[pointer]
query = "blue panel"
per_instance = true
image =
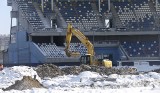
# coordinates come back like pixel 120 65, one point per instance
pixel 12 53
pixel 114 51
pixel 23 51
pixel 36 55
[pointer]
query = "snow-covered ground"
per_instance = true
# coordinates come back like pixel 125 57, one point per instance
pixel 85 82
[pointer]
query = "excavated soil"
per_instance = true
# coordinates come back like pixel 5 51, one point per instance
pixel 50 70
pixel 99 69
pixel 156 70
pixel 26 83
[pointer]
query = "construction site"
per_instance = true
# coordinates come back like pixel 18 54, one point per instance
pixel 50 31
pixel 73 45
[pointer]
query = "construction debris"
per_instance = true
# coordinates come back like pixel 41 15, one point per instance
pixel 156 70
pixel 99 69
pixel 50 70
pixel 26 83
pixel 74 70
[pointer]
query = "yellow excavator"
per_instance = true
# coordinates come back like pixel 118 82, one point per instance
pixel 89 58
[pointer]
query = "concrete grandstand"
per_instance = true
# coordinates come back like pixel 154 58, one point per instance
pixel 121 30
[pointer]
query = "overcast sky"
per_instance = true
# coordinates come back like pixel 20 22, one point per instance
pixel 4 17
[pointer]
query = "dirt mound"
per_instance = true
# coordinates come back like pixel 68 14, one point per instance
pixel 48 70
pixel 99 69
pixel 26 83
pixel 74 70
pixel 156 70
pixel 120 71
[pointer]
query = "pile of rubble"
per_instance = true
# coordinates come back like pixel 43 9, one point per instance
pixel 50 70
pixel 99 69
pixel 26 83
pixel 156 70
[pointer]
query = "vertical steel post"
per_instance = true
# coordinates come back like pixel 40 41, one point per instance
pixel 52 4
pixel 109 6
pixel 99 5
pixel 42 5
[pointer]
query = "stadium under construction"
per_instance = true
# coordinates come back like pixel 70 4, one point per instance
pixel 124 31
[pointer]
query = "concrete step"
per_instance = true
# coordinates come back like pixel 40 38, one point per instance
pixel 116 20
pixel 45 21
pixel 97 14
pixel 61 22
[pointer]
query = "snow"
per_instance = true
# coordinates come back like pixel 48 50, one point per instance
pixel 146 68
pixel 85 82
pixel 8 76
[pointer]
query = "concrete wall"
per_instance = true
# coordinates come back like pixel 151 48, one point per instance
pixel 23 51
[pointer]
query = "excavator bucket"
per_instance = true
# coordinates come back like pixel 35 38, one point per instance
pixel 75 54
pixel 72 53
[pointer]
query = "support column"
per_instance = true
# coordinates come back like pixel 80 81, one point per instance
pixel 156 5
pixel 10 32
pixel 159 45
pixel 52 39
pixel 30 37
pixel 52 4
pixel 109 6
pixel 17 21
pixel 42 5
pixel 99 5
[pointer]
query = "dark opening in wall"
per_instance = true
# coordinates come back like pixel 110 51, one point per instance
pixel 59 40
pixel 41 39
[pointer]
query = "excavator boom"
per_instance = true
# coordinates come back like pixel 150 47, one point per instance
pixel 84 40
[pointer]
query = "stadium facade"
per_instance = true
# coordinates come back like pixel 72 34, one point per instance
pixel 121 30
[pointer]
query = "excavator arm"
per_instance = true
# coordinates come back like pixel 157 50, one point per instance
pixel 84 40
pixel 86 59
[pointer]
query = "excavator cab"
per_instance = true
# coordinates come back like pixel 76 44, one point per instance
pixel 86 59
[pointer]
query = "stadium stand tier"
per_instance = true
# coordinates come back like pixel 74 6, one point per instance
pixel 141 48
pixel 30 13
